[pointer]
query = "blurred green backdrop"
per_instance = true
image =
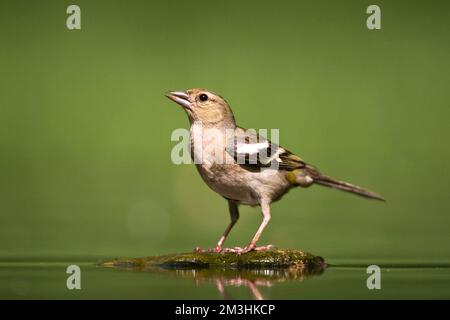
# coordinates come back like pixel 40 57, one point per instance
pixel 85 127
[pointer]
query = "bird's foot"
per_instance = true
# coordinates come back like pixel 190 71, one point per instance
pixel 232 250
pixel 236 250
pixel 246 249
pixel 264 248
pixel 216 249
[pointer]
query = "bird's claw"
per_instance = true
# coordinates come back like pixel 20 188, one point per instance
pixel 236 250
pixel 231 250
pixel 264 248
pixel 253 247
pixel 217 249
pixel 246 249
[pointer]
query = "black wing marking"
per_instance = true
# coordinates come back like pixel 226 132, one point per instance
pixel 254 152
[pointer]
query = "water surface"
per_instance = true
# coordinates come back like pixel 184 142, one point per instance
pixel 47 280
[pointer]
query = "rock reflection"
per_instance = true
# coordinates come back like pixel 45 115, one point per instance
pixel 254 279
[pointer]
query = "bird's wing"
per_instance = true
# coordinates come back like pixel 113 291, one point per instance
pixel 253 151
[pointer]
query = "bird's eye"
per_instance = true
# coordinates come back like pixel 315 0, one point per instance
pixel 203 97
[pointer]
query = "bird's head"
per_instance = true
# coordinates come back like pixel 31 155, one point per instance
pixel 204 106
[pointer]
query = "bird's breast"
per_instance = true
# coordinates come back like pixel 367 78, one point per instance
pixel 222 174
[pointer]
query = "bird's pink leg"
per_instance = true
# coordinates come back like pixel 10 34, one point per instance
pixel 234 215
pixel 265 208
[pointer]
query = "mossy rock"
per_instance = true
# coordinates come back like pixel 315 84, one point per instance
pixel 272 259
pixel 252 270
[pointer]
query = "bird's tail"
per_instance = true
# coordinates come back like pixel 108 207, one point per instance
pixel 341 185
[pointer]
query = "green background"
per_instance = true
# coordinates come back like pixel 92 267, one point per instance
pixel 85 127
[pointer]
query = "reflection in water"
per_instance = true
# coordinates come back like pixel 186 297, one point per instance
pixel 224 277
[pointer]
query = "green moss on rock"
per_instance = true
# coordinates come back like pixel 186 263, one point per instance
pixel 272 259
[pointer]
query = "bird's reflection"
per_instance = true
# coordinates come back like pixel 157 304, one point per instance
pixel 253 279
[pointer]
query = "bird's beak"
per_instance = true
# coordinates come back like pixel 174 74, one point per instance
pixel 180 97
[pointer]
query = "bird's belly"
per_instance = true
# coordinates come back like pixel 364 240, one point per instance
pixel 233 182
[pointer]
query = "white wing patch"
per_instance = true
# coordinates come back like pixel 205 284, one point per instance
pixel 259 148
pixel 251 148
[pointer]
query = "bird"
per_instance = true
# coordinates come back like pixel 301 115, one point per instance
pixel 243 166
